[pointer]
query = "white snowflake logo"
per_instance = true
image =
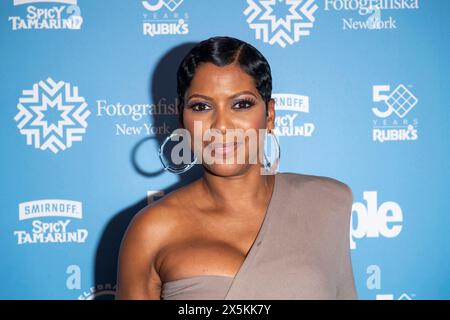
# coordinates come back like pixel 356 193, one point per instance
pixel 284 27
pixel 49 99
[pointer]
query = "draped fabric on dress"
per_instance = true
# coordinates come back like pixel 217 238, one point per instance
pixel 302 249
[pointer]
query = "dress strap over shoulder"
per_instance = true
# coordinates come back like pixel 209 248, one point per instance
pixel 298 252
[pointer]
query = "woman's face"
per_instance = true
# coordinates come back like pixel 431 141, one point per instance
pixel 221 98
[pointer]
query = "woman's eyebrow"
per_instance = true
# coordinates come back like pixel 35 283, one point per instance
pixel 243 92
pixel 196 95
pixel 211 99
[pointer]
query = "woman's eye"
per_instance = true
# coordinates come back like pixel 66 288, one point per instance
pixel 198 107
pixel 244 104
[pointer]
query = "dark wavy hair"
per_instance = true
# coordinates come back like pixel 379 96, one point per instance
pixel 222 51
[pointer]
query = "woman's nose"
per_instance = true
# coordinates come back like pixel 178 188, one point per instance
pixel 221 120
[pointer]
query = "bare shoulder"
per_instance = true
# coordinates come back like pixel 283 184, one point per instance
pixel 157 224
pixel 154 220
pixel 147 233
pixel 157 221
pixel 325 187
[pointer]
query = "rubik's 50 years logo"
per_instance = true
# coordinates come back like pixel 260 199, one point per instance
pixel 392 107
pixel 162 18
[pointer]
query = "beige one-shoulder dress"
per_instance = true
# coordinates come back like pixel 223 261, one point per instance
pixel 302 249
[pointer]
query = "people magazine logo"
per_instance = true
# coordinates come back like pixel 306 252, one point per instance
pixel 391 110
pixel 46 14
pixel 369 14
pixel 52 115
pixel 373 221
pixel 281 22
pixel 163 18
pixel 290 108
pixel 45 225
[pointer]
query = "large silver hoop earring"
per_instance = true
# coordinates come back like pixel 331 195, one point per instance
pixel 168 167
pixel 271 167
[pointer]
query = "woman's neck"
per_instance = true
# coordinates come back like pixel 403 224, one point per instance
pixel 232 194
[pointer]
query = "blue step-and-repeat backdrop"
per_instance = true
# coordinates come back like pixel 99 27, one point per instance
pixel 88 94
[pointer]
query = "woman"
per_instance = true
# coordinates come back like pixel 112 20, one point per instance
pixel 236 233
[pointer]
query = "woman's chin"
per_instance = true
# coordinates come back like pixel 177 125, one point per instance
pixel 224 169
